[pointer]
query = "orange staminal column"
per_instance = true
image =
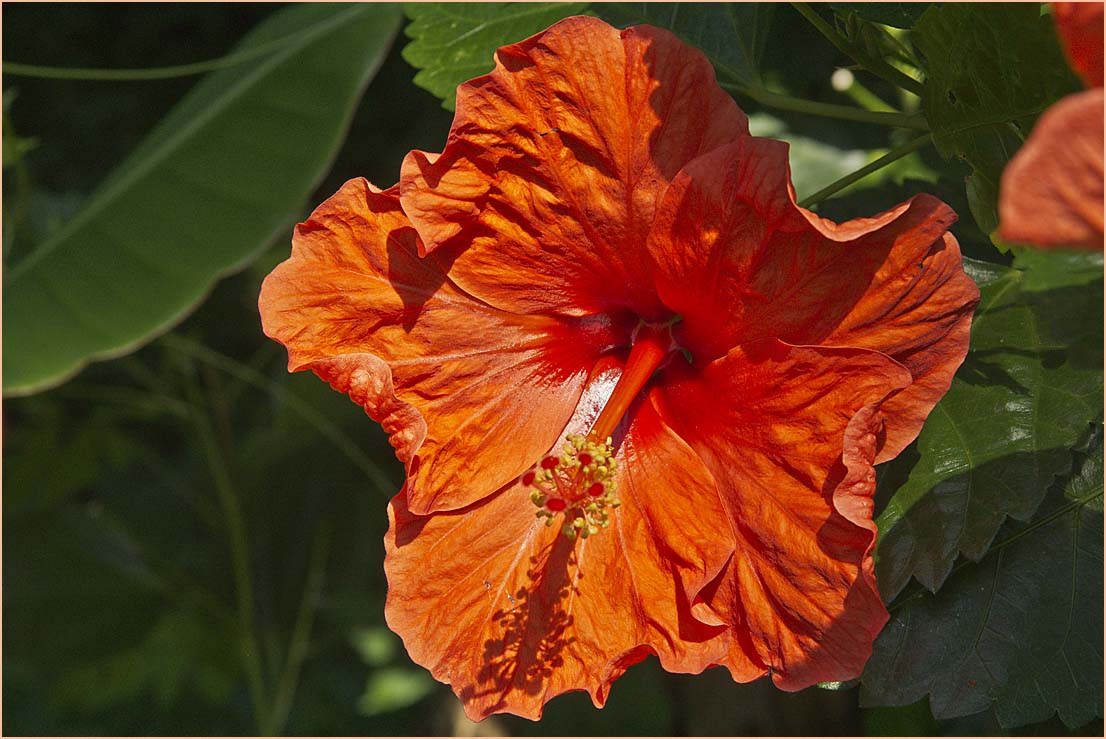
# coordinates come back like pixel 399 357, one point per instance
pixel 577 486
pixel 651 345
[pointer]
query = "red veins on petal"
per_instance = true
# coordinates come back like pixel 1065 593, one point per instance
pixel 356 304
pixel 638 391
pixel 556 161
pixel 728 233
pixel 771 422
pixel 511 613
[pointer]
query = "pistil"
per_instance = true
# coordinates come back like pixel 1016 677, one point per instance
pixel 651 345
pixel 579 484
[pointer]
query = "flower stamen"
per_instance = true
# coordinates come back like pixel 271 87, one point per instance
pixel 579 483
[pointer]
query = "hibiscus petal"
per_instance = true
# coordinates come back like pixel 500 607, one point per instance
pixel 894 283
pixel 1080 29
pixel 454 381
pixel 1051 191
pixel 512 613
pixel 790 434
pixel 556 160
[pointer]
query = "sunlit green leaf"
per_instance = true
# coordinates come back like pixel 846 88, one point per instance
pixel 228 169
pixel 454 42
pixel 1021 629
pixel 1031 383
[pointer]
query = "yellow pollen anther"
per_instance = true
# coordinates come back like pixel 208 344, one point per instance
pixel 578 483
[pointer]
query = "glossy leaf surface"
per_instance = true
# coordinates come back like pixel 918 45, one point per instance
pixel 1031 383
pixel 1022 629
pixel 207 189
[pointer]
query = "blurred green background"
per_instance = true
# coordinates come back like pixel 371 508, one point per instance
pixel 168 512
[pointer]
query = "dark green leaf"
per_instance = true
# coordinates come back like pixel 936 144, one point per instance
pixel 182 648
pixel 1022 629
pixel 732 35
pixel 899 15
pixel 990 70
pixel 454 42
pixel 1048 270
pixel 1031 383
pixel 225 171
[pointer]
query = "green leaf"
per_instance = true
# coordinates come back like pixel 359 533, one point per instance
pixel 1031 383
pixel 899 15
pixel 225 171
pixel 454 42
pixel 376 645
pixel 990 70
pixel 181 649
pixel 393 688
pixel 815 164
pixel 1048 270
pixel 732 35
pixel 1022 629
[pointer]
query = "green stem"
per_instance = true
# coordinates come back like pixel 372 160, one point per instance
pixel 828 110
pixel 883 161
pixel 301 631
pixel 230 502
pixel 150 73
pixel 874 65
pixel 867 99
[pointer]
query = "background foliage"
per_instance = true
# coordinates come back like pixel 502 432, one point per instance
pixel 192 537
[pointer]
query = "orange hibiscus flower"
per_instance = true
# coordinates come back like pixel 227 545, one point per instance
pixel 1051 191
pixel 638 391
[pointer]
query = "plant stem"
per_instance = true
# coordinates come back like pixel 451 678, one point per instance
pixel 91 74
pixel 828 110
pixel 866 99
pixel 883 161
pixel 229 500
pixel 874 65
pixel 301 631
